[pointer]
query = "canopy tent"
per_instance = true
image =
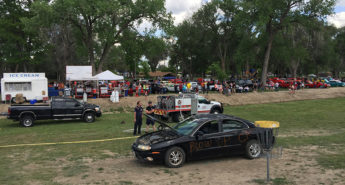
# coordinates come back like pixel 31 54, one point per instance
pixel 108 75
pixel 79 73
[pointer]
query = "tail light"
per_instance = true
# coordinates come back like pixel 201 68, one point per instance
pixel 9 110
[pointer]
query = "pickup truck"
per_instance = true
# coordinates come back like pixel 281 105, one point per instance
pixel 59 108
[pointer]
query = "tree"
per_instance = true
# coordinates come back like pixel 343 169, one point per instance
pixel 101 23
pixel 145 69
pixel 18 48
pixel 271 16
pixel 217 71
pixel 155 50
pixel 132 45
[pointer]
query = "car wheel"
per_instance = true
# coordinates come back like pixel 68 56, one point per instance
pixel 89 117
pixel 253 149
pixel 27 121
pixel 175 157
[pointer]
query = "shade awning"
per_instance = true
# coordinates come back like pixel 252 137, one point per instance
pixel 108 75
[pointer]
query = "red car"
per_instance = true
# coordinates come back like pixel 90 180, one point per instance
pixel 282 83
pixel 176 81
pixel 310 84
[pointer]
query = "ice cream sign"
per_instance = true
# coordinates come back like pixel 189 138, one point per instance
pixel 24 75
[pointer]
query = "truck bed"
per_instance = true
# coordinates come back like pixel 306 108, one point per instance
pixel 28 104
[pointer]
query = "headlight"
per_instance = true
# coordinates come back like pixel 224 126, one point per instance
pixel 144 147
pixel 97 109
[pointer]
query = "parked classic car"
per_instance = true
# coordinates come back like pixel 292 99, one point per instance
pixel 197 137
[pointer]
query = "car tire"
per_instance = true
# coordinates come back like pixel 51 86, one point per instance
pixel 175 157
pixel 27 121
pixel 89 117
pixel 253 149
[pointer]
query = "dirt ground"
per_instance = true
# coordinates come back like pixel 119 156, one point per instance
pixel 235 99
pixel 295 166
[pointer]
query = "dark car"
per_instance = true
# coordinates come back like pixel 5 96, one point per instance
pixel 59 108
pixel 197 137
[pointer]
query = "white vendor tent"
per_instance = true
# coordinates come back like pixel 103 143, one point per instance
pixel 31 85
pixel 79 73
pixel 108 75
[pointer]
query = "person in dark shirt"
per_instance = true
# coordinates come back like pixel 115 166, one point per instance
pixel 150 111
pixel 138 118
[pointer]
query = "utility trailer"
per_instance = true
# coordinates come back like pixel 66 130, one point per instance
pixel 176 108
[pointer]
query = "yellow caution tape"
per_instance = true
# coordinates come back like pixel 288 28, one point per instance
pixel 68 142
pixel 267 124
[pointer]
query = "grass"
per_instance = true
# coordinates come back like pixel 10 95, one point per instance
pixel 325 118
pixel 333 161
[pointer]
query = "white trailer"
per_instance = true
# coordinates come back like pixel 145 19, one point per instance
pixel 31 85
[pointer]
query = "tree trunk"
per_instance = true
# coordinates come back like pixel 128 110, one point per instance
pixel 91 57
pixel 25 68
pixel 266 60
pixel 294 67
pixel 222 55
pixel 16 69
pixel 105 52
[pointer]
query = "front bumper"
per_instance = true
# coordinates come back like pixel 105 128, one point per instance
pixel 151 156
pixel 99 114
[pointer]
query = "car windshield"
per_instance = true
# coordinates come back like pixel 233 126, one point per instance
pixel 186 127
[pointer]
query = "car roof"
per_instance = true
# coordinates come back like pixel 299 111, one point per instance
pixel 209 117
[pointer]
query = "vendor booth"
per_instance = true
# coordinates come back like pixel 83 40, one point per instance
pixel 106 90
pixel 80 79
pixel 33 86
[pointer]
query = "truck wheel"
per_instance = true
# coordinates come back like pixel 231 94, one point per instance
pixel 177 117
pixel 253 149
pixel 89 117
pixel 175 157
pixel 215 111
pixel 27 121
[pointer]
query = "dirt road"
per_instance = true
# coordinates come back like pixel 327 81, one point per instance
pixel 293 168
pixel 235 99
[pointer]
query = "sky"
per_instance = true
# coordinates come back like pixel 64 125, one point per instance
pixel 338 19
pixel 182 9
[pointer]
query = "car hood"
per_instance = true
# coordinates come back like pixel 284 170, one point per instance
pixel 157 137
pixel 163 124
pixel 215 103
pixel 90 106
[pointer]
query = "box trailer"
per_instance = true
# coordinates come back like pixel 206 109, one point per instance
pixel 31 85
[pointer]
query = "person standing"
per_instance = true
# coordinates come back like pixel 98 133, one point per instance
pixel 138 118
pixel 150 111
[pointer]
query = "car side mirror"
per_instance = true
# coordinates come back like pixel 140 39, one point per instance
pixel 77 104
pixel 198 135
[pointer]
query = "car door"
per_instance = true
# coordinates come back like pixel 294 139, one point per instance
pixel 66 108
pixel 236 132
pixel 204 106
pixel 73 108
pixel 207 141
